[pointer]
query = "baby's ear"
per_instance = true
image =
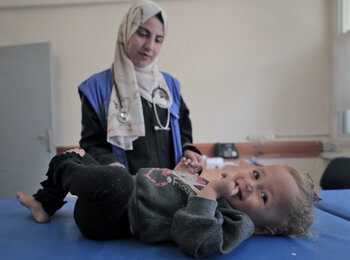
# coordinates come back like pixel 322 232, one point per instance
pixel 264 231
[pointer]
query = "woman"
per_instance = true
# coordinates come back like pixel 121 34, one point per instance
pixel 133 114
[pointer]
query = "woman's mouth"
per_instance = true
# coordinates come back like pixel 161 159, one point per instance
pixel 145 55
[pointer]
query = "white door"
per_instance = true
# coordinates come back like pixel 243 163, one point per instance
pixel 26 144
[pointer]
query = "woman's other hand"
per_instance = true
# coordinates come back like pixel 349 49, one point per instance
pixel 117 164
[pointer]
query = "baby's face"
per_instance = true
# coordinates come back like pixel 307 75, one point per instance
pixel 265 194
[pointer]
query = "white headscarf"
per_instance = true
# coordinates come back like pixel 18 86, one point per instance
pixel 133 82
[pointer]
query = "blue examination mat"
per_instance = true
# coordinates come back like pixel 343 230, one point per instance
pixel 336 202
pixel 22 238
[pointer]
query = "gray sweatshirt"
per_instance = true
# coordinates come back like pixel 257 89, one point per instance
pixel 164 207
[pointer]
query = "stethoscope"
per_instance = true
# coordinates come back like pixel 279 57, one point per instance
pixel 162 94
pixel 124 116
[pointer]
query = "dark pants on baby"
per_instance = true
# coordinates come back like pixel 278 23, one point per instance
pixel 103 194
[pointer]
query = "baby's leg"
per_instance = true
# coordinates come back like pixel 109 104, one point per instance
pixel 50 197
pixel 34 206
pixel 103 194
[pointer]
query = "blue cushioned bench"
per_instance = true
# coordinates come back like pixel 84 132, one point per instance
pixel 336 202
pixel 22 238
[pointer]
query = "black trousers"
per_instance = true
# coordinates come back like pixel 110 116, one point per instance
pixel 103 194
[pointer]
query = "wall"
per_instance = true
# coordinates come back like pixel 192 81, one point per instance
pixel 246 67
pixel 341 79
pixel 253 67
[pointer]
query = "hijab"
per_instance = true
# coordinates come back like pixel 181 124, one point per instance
pixel 131 82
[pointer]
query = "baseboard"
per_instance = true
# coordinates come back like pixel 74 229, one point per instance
pixel 283 149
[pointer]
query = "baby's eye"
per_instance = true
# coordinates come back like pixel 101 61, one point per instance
pixel 256 175
pixel 264 197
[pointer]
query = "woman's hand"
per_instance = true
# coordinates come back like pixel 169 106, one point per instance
pixel 79 151
pixel 196 159
pixel 219 188
pixel 117 164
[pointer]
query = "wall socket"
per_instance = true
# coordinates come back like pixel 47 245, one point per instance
pixel 329 147
pixel 261 137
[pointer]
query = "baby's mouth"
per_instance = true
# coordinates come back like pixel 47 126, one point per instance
pixel 239 194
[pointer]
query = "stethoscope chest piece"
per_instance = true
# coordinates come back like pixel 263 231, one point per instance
pixel 123 117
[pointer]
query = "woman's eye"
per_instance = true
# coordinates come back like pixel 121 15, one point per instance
pixel 141 32
pixel 264 197
pixel 256 175
pixel 159 39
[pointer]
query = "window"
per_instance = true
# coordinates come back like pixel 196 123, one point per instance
pixel 345 16
pixel 341 78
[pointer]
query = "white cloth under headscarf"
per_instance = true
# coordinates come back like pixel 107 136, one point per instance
pixel 133 82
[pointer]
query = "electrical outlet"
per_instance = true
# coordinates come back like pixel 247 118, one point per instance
pixel 329 147
pixel 261 137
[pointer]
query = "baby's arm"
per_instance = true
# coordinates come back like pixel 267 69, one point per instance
pixel 188 166
pixel 204 227
pixel 219 188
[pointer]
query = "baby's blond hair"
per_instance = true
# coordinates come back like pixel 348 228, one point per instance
pixel 301 214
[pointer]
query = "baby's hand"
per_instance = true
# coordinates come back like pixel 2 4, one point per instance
pixel 186 165
pixel 221 188
pixel 196 159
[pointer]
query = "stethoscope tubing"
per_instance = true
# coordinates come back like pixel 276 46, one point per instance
pixel 124 117
pixel 166 96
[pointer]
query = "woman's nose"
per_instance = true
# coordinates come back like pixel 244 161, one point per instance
pixel 149 43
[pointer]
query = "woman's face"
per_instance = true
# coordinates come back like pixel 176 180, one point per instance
pixel 144 45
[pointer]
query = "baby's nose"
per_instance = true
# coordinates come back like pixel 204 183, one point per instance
pixel 249 186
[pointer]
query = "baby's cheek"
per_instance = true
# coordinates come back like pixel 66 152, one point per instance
pixel 234 202
pixel 248 206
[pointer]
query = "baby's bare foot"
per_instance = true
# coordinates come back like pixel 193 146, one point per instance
pixel 35 207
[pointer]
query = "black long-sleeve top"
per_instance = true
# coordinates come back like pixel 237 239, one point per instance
pixel 155 149
pixel 164 207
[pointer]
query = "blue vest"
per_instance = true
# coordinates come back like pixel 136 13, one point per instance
pixel 98 88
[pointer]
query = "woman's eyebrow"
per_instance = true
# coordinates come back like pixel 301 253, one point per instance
pixel 143 28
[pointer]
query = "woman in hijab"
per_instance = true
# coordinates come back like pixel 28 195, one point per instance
pixel 133 114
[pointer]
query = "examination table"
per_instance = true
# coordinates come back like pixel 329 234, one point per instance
pixel 22 238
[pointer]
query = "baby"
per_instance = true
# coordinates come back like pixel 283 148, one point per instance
pixel 155 205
